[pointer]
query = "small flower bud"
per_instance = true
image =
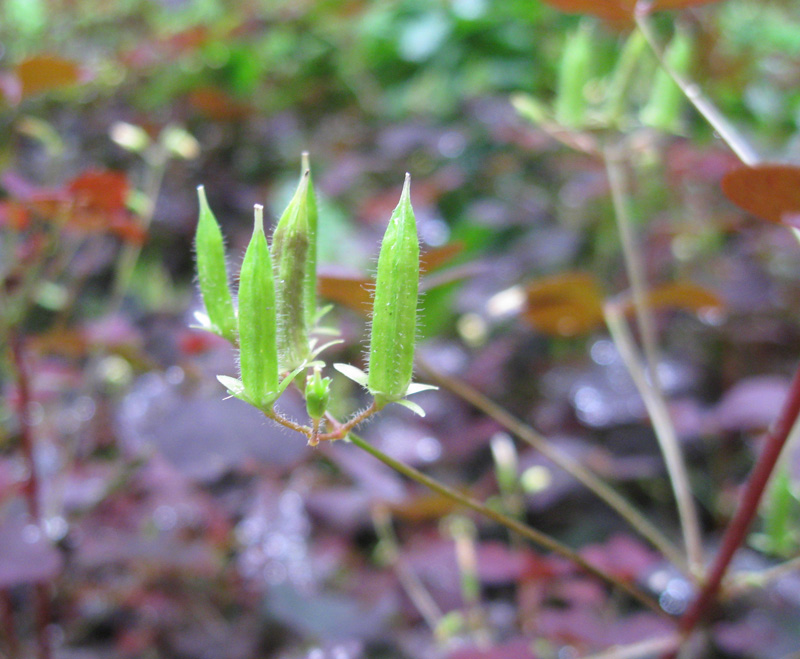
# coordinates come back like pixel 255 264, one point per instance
pixel 573 75
pixel 258 356
pixel 290 253
pixel 318 393
pixel 394 315
pixel 212 271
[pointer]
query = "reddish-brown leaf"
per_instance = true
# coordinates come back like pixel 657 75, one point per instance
pixel 218 105
pixel 683 295
pixel 351 291
pixel 769 191
pixel 42 73
pixel 618 10
pixel 100 190
pixel 436 257
pixel 567 304
pixel 14 216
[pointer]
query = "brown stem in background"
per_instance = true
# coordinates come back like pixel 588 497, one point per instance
pixel 31 487
pixel 748 507
pixel 8 626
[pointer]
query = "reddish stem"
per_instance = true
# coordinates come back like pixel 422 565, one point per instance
pixel 9 626
pixel 31 487
pixel 748 507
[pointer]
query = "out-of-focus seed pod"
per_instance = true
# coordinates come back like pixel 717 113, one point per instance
pixel 394 314
pixel 310 287
pixel 663 109
pixel 575 71
pixel 258 354
pixel 212 271
pixel 290 250
pixel 318 394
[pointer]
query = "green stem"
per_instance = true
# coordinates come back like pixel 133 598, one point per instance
pixel 665 434
pixel 537 537
pixel 587 478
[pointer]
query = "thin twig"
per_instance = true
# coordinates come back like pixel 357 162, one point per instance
pixel 634 265
pixel 752 580
pixel 740 146
pixel 587 478
pixel 749 501
pixel 537 537
pixel 665 434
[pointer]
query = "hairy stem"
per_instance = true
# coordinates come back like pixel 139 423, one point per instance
pixel 537 537
pixel 587 478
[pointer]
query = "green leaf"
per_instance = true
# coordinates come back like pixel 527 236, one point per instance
pixel 258 353
pixel 310 286
pixel 394 309
pixel 234 386
pixel 212 272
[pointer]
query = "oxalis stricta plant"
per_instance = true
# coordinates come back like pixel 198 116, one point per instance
pixel 275 324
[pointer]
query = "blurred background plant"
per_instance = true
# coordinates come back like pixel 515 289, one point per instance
pixel 141 515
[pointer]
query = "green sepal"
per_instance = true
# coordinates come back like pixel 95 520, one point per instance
pixel 394 309
pixel 316 350
pixel 416 387
pixel 258 354
pixel 212 271
pixel 290 255
pixel 235 387
pixel 416 409
pixel 353 373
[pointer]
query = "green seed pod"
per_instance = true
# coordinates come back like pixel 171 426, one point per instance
pixel 663 110
pixel 258 353
pixel 310 288
pixel 212 272
pixel 290 249
pixel 575 71
pixel 318 393
pixel 394 311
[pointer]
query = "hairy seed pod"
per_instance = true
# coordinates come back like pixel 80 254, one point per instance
pixel 290 246
pixel 318 394
pixel 575 71
pixel 212 271
pixel 394 312
pixel 663 109
pixel 258 353
pixel 310 287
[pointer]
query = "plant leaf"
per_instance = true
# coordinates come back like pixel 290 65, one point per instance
pixel 355 374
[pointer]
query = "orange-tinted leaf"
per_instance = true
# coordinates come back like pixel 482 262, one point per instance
pixel 618 10
pixel 100 190
pixel 14 216
pixel 218 105
pixel 682 295
pixel 424 508
pixel 568 304
pixel 770 191
pixel 351 291
pixel 436 257
pixel 64 342
pixel 41 73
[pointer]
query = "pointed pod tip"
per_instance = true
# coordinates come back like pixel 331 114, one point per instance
pixel 201 194
pixel 406 193
pixel 258 212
